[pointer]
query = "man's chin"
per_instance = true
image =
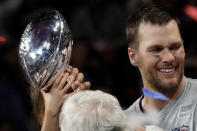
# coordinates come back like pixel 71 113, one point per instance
pixel 168 83
pixel 166 86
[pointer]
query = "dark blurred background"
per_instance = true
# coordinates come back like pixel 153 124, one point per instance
pixel 99 51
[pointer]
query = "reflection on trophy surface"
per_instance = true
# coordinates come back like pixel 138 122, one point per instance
pixel 45 47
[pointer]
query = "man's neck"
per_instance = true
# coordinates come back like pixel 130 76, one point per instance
pixel 149 103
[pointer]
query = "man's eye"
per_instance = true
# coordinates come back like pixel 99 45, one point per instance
pixel 156 49
pixel 175 47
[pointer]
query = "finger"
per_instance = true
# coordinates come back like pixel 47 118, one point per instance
pixel 47 87
pixel 43 91
pixel 73 74
pixel 54 78
pixel 85 86
pixel 57 81
pixel 80 77
pixel 67 88
pixel 78 81
pixel 63 81
pixel 68 69
pixel 70 80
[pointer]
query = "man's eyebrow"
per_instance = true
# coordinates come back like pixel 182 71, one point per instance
pixel 177 42
pixel 154 46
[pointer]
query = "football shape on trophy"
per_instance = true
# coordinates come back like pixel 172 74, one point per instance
pixel 45 47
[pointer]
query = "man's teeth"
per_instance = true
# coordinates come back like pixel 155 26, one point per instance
pixel 166 70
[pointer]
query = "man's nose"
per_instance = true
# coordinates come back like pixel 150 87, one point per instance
pixel 167 56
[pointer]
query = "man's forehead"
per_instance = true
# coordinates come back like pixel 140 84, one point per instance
pixel 144 25
pixel 155 33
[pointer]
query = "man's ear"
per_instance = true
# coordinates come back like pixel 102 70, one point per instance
pixel 133 56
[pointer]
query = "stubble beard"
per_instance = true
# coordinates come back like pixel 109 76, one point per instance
pixel 157 84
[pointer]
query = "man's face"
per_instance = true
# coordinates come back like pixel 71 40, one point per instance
pixel 160 56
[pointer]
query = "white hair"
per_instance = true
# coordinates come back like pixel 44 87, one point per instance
pixel 92 111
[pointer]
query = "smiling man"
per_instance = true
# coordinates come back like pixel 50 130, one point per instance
pixel 156 49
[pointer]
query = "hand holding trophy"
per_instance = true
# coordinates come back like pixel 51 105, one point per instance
pixel 44 55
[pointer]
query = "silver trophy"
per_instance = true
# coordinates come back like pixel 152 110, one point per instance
pixel 45 47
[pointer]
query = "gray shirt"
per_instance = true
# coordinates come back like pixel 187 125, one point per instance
pixel 180 114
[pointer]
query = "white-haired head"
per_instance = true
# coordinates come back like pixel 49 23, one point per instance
pixel 92 111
